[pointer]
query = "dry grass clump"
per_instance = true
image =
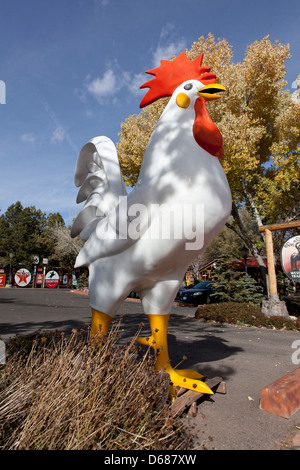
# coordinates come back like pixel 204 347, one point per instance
pixel 64 393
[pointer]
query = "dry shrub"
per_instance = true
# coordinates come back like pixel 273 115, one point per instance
pixel 69 394
pixel 243 314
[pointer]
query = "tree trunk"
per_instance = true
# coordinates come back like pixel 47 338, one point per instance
pixel 242 233
pixel 254 210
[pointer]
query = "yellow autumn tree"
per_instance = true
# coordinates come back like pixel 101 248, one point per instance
pixel 260 125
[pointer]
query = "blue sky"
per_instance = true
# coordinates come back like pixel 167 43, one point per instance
pixel 73 68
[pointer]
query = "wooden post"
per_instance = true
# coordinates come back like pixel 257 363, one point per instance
pixel 274 306
pixel 271 264
pixel 270 253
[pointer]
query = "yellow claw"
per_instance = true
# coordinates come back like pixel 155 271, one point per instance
pixel 190 373
pixel 186 378
pixel 178 380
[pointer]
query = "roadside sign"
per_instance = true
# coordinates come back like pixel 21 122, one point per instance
pixel 290 258
pixel 39 278
pixel 52 279
pixel 2 280
pixel 22 277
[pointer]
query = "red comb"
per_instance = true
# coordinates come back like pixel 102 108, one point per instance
pixel 171 74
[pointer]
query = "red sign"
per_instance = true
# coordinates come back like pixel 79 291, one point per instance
pixel 52 279
pixel 290 258
pixel 39 278
pixel 2 280
pixel 22 277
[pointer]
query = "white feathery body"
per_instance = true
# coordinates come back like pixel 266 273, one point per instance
pixel 176 173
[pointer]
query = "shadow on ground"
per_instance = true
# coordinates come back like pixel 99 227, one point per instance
pixel 196 340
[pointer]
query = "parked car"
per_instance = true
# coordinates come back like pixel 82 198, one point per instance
pixel 134 295
pixel 199 294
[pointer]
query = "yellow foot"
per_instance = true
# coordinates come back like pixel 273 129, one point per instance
pixel 147 341
pixel 186 378
pixel 100 323
pixel 190 373
pixel 179 380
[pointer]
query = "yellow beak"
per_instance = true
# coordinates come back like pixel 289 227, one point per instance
pixel 210 92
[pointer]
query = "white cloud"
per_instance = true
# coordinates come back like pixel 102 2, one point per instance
pixel 89 113
pixel 101 3
pixel 137 80
pixel 104 86
pixel 166 30
pixel 166 51
pixel 169 44
pixel 28 138
pixel 59 134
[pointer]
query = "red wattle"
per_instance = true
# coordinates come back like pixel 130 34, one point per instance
pixel 206 133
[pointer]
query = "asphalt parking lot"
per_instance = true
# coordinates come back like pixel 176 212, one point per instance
pixel 246 358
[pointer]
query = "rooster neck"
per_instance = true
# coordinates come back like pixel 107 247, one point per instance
pixel 192 125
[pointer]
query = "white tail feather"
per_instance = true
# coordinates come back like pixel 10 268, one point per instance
pixel 100 190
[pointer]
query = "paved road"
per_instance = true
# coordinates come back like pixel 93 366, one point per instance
pixel 246 358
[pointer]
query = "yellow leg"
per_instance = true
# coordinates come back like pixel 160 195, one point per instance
pixel 100 323
pixel 158 341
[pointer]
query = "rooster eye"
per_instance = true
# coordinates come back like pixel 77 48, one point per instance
pixel 188 86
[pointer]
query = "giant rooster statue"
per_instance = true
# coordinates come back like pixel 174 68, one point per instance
pixel 144 241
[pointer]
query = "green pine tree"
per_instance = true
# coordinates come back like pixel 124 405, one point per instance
pixel 235 286
pixel 247 290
